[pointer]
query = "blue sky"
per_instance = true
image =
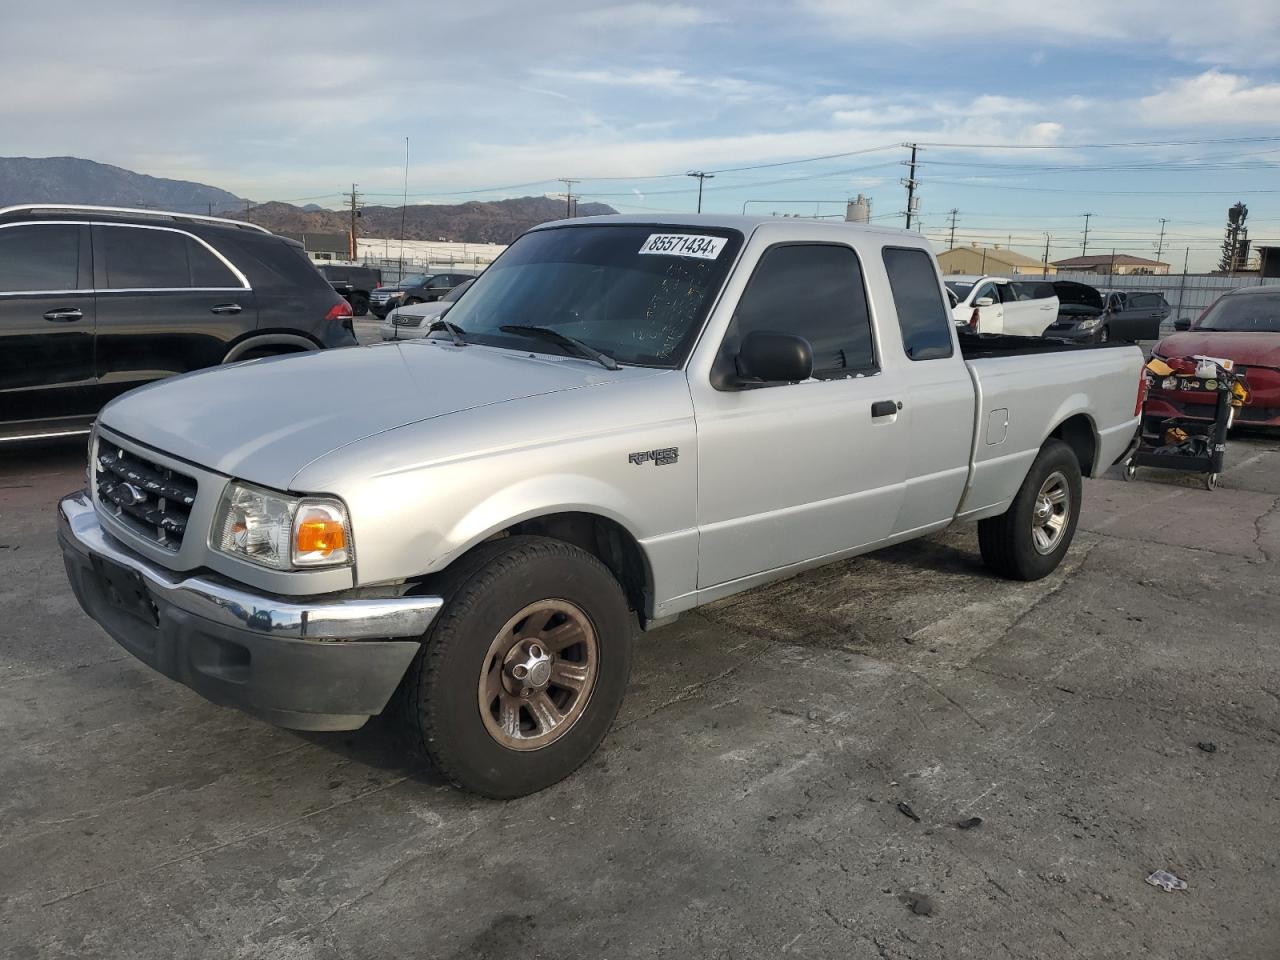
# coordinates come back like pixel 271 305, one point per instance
pixel 295 101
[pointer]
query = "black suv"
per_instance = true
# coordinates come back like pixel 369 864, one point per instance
pixel 415 288
pixel 354 283
pixel 97 300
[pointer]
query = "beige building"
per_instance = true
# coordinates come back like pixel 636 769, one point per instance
pixel 1113 264
pixel 996 260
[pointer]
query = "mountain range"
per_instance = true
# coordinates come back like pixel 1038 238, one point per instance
pixel 74 180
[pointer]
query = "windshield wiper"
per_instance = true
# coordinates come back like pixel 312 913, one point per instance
pixel 564 340
pixel 454 330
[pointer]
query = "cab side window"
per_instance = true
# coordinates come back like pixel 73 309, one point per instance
pixel 814 291
pixel 39 257
pixel 922 315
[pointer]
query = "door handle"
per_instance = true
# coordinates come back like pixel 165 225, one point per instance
pixel 64 315
pixel 885 408
pixel 226 308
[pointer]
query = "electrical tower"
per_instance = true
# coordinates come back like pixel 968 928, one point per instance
pixel 951 244
pixel 701 175
pixel 354 198
pixel 911 183
pixel 568 195
pixel 1235 245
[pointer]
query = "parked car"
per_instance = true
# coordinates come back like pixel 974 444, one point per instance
pixel 1242 326
pixel 355 283
pixel 1135 314
pixel 628 418
pixel 998 305
pixel 1081 313
pixel 405 323
pixel 415 288
pixel 95 301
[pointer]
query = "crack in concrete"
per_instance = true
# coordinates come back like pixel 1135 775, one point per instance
pixel 214 848
pixel 1257 526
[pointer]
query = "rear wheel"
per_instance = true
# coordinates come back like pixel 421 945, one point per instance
pixel 522 673
pixel 359 304
pixel 1029 540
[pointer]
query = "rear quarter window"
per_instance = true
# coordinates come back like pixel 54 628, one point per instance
pixel 269 261
pixel 923 316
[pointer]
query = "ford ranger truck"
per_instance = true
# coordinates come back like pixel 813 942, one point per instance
pixel 623 419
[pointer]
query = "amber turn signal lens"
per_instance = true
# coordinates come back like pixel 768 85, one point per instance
pixel 322 536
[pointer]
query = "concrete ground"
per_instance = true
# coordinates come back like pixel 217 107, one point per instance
pixel 748 803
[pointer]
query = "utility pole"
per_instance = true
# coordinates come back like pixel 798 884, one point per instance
pixel 248 205
pixel 1047 238
pixel 701 175
pixel 568 195
pixel 354 197
pixel 404 206
pixel 951 244
pixel 211 208
pixel 911 182
pixel 1160 242
pixel 1084 247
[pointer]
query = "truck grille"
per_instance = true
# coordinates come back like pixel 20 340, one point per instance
pixel 150 499
pixel 406 320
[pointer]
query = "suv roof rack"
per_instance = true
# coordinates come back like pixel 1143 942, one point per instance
pixel 135 211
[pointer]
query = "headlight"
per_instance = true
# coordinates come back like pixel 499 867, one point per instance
pixel 279 531
pixel 1088 323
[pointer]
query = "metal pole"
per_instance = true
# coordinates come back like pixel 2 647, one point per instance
pixel 951 244
pixel 1160 242
pixel 404 207
pixel 1046 255
pixel 1084 247
pixel 1182 286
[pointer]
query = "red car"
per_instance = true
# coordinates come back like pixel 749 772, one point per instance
pixel 1244 326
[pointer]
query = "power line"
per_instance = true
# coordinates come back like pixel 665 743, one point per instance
pixel 1100 146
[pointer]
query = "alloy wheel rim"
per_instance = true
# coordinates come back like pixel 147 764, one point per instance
pixel 1050 513
pixel 538 675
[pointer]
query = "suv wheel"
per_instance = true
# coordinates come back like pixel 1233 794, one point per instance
pixel 359 304
pixel 523 671
pixel 1029 540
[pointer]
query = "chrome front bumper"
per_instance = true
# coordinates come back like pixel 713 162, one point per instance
pixel 327 663
pixel 342 619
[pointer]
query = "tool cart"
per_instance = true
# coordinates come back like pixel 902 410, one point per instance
pixel 1194 443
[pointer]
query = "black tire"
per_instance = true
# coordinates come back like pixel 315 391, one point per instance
pixel 1104 335
pixel 359 304
pixel 1008 543
pixel 482 593
pixel 410 301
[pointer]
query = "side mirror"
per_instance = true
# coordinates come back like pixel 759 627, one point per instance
pixel 767 357
pixel 984 302
pixel 1182 323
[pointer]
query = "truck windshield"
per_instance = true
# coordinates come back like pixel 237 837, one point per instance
pixel 638 293
pixel 1253 312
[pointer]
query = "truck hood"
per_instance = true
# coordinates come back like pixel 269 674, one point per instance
pixel 1248 348
pixel 264 420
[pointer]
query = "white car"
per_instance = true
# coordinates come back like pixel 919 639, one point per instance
pixel 1022 308
pixel 405 323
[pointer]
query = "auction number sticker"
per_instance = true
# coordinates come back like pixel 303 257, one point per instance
pixel 684 245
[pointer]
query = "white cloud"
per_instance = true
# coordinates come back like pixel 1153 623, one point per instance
pixel 1213 32
pixel 1212 98
pixel 661 81
pixel 647 16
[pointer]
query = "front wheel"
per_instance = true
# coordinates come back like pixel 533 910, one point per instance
pixel 359 304
pixel 1104 335
pixel 523 671
pixel 1029 540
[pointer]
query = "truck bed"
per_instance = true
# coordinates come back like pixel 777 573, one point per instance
pixel 977 345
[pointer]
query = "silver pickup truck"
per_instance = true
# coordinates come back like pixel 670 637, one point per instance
pixel 623 418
